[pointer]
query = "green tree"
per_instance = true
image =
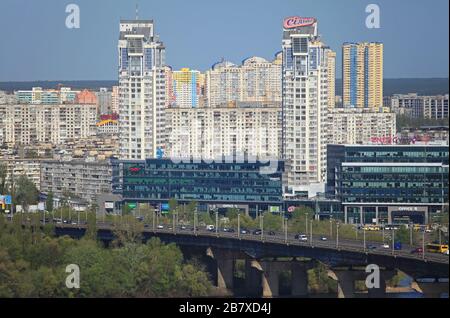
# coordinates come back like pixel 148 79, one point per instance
pixel 49 202
pixel 129 230
pixel 403 234
pixel 91 231
pixel 298 220
pixel 205 217
pixel 173 206
pixel 126 210
pixel 3 174
pixel 232 213
pixel 404 121
pixel 26 192
pixel 272 222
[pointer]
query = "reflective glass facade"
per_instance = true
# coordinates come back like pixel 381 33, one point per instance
pixel 394 173
pixel 386 182
pixel 393 184
pixel 157 180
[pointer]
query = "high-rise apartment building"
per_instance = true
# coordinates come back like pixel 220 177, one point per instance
pixel 38 95
pixel 415 106
pixel 306 86
pixel 362 75
pixel 48 123
pixel 104 98
pixel 331 64
pixel 256 80
pixel 29 124
pixel 86 179
pixel 435 107
pixel 360 126
pixel 234 128
pixel 187 88
pixel 141 90
pixel 410 105
pixel 115 100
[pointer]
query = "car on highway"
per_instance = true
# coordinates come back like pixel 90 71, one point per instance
pixel 397 246
pixel 417 250
pixel 228 230
pixel 146 226
pixel 385 245
pixel 271 233
pixel 183 227
pixel 244 231
pixel 301 237
pixel 210 228
pixel 257 232
pixel 371 246
pixel 391 227
pixel 160 227
pixel 323 238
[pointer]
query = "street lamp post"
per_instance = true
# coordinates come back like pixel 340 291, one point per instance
pixel 217 223
pixel 286 232
pixel 440 239
pixel 382 232
pixel 331 227
pixel 410 234
pixel 239 225
pixel 311 233
pixel 364 234
pixel 306 223
pixel 261 220
pixel 195 221
pixel 423 244
pixel 337 235
pixel 173 224
pixel 393 240
pixel 153 220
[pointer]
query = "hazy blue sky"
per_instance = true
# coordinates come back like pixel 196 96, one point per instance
pixel 36 45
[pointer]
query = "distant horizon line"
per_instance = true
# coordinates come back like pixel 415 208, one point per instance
pixel 115 80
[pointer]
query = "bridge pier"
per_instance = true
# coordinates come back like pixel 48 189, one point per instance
pixel 431 289
pixel 224 267
pixel 264 276
pixel 300 277
pixel 253 279
pixel 346 279
pixel 346 282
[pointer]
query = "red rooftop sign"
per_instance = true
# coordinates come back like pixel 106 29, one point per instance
pixel 295 22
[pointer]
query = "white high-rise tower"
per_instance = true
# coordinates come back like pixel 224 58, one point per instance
pixel 141 91
pixel 305 101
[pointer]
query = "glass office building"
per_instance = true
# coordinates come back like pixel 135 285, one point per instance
pixel 249 185
pixel 389 183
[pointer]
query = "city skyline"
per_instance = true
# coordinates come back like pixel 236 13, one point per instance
pixel 99 31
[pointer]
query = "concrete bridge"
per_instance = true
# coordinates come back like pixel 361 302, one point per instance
pixel 266 257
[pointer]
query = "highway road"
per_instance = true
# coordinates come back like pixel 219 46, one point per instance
pixel 331 243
